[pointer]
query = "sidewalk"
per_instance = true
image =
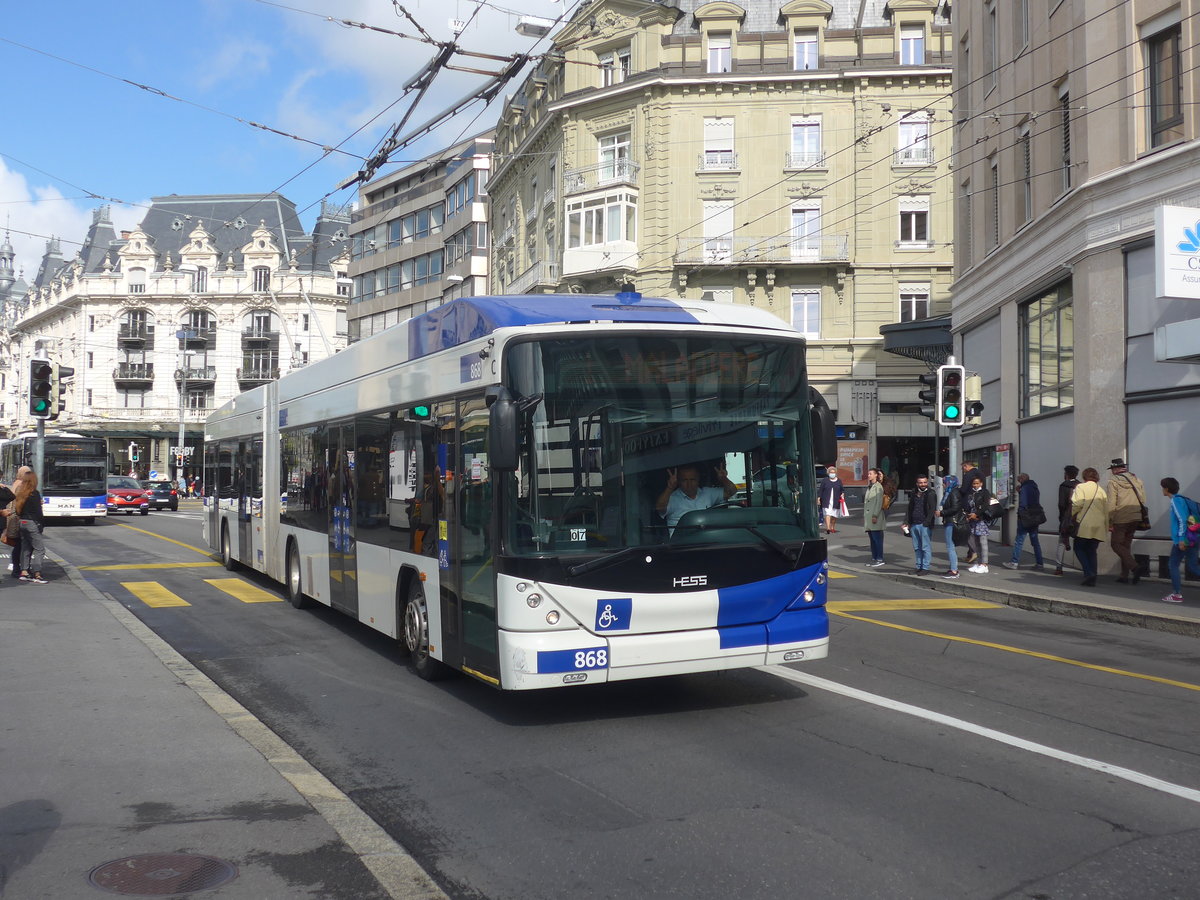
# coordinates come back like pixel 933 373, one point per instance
pixel 127 771
pixel 1125 604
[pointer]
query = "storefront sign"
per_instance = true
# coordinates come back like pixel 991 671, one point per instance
pixel 1177 252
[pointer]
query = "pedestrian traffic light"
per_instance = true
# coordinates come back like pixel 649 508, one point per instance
pixel 59 378
pixel 41 375
pixel 950 396
pixel 929 396
pixel 420 412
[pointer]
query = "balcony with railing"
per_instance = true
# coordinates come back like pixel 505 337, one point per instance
pixel 740 250
pixel 257 375
pixel 196 375
pixel 256 335
pixel 135 335
pixel 805 159
pixel 196 337
pixel 540 274
pixel 620 171
pixel 718 161
pixel 130 374
pixel 916 155
pixel 149 414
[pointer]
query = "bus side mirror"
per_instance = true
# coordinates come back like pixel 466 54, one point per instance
pixel 824 429
pixel 503 430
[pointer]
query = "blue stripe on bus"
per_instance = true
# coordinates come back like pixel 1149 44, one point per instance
pixel 468 318
pixel 790 627
pixel 760 601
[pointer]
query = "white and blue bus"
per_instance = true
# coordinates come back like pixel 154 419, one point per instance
pixel 480 482
pixel 74 469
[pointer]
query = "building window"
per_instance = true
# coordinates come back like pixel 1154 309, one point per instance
pixel 993 201
pixel 88 393
pixel 615 151
pixel 914 148
pixel 602 220
pixel 914 302
pixel 91 323
pixel 137 281
pixel 914 222
pixel 717 294
pixel 718 230
pixel 90 359
pixel 806 49
pixel 912 45
pixel 806 311
pixel 806 149
pixel 262 278
pixel 304 321
pixel 1064 125
pixel 966 226
pixel 991 55
pixel 1025 161
pixel 806 232
pixel 1048 351
pixel 1163 78
pixel 720 52
pixel 614 66
pixel 200 280
pixel 718 143
pixel 1020 24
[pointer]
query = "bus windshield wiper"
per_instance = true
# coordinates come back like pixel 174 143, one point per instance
pixel 601 562
pixel 775 545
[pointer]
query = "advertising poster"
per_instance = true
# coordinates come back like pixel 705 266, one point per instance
pixel 852 462
pixel 1002 475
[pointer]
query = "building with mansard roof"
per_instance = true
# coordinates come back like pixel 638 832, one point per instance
pixel 791 155
pixel 207 297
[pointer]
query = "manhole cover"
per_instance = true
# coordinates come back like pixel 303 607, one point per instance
pixel 162 874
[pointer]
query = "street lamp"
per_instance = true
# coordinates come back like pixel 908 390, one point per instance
pixel 183 336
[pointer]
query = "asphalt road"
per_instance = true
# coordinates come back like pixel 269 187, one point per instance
pixel 974 751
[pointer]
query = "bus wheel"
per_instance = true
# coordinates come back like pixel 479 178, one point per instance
pixel 416 636
pixel 227 559
pixel 295 588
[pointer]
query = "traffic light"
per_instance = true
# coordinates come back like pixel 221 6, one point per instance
pixel 421 412
pixel 929 396
pixel 41 376
pixel 950 407
pixel 973 392
pixel 133 451
pixel 59 378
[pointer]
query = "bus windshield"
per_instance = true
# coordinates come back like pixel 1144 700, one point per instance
pixel 613 426
pixel 69 475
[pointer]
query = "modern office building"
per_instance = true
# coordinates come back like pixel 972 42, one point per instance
pixel 207 297
pixel 790 156
pixel 420 237
pixel 1075 129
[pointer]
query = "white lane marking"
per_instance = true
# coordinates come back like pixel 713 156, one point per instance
pixel 1096 765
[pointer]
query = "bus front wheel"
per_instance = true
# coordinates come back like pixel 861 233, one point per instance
pixel 295 587
pixel 416 635
pixel 227 559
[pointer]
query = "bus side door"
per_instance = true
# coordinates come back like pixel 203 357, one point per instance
pixel 474 566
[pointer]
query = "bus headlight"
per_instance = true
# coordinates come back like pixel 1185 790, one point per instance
pixel 534 600
pixel 552 617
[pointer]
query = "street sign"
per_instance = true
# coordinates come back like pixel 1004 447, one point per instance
pixel 154 474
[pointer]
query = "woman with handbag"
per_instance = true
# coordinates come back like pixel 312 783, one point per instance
pixel 1089 511
pixel 27 504
pixel 10 526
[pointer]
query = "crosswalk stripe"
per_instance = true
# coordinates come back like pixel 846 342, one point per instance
pixel 885 605
pixel 153 594
pixel 243 590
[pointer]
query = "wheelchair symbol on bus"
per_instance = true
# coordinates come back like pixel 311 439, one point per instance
pixel 614 615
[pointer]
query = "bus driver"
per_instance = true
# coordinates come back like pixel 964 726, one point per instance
pixel 683 492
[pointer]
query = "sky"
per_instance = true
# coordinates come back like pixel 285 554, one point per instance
pixel 76 135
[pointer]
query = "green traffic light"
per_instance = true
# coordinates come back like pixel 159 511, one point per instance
pixel 420 412
pixel 952 412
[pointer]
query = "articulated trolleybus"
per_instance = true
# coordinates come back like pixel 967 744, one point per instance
pixel 75 467
pixel 483 482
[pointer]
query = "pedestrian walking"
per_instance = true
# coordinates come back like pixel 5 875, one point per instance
pixel 1089 511
pixel 1065 490
pixel 832 498
pixel 874 519
pixel 919 519
pixel 1029 516
pixel 1126 510
pixel 951 511
pixel 1185 546
pixel 978 507
pixel 27 503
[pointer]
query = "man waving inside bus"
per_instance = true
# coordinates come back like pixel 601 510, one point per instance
pixel 683 492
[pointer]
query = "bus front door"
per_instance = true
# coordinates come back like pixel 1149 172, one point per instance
pixel 343 563
pixel 474 567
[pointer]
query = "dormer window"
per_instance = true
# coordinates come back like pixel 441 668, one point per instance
pixel 912 45
pixel 614 66
pixel 720 51
pixel 806 49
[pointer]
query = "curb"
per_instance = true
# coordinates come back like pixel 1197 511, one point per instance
pixel 1182 625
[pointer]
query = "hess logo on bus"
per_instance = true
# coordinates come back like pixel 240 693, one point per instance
pixel 690 581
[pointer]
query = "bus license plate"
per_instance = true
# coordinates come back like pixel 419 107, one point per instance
pixel 556 661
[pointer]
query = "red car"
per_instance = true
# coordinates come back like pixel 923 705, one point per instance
pixel 126 494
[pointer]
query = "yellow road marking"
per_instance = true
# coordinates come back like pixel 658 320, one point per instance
pixel 243 590
pixel 153 594
pixel 1187 686
pixel 167 539
pixel 884 605
pixel 175 565
pixel 841 575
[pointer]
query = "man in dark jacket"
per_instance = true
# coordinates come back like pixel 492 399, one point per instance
pixel 1065 490
pixel 918 520
pixel 1029 517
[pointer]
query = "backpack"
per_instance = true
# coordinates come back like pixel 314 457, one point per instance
pixel 1191 525
pixel 889 494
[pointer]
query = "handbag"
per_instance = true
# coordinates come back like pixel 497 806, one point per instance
pixel 1143 524
pixel 12 525
pixel 1030 517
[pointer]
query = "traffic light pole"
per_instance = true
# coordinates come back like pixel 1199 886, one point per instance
pixel 39 453
pixel 955 439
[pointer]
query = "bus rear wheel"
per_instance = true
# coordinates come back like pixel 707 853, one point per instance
pixel 416 636
pixel 295 587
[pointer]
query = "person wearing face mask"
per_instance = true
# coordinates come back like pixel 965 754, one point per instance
pixel 978 508
pixel 832 499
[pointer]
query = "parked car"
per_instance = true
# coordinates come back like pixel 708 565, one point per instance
pixel 163 494
pixel 126 494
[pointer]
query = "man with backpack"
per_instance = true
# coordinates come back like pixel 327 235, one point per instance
pixel 1185 537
